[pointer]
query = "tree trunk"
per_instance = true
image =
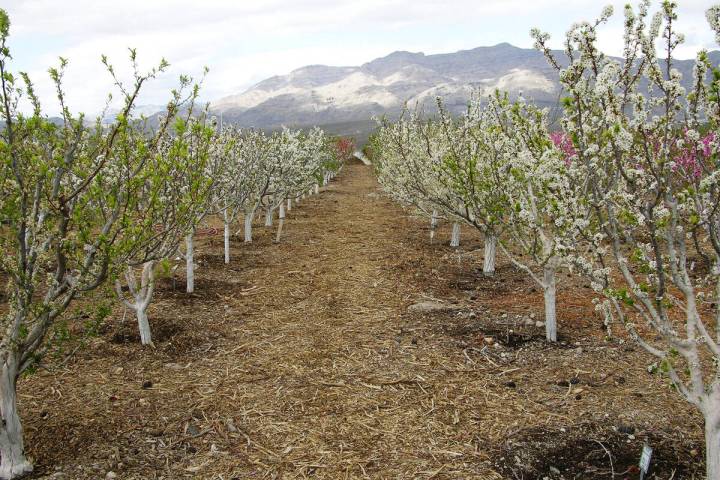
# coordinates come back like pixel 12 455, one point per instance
pixel 433 224
pixel 711 412
pixel 269 216
pixel 248 226
pixel 226 236
pixel 549 294
pixel 289 204
pixel 455 239
pixel 190 262
pixel 490 252
pixel 13 463
pixel 281 221
pixel 143 324
pixel 317 189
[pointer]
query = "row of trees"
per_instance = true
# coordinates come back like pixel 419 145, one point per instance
pixel 247 173
pixel 82 202
pixel 625 190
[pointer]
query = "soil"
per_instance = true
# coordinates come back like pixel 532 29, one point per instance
pixel 301 360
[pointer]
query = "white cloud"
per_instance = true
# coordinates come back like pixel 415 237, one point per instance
pixel 245 41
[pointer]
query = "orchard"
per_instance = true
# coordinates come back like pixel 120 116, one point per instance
pixel 496 281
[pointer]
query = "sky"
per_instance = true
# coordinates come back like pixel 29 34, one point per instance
pixel 243 42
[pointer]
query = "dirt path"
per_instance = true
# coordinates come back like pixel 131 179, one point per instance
pixel 299 360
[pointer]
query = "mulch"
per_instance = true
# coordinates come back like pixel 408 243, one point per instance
pixel 301 360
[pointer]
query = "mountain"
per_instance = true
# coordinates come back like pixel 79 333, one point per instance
pixel 347 97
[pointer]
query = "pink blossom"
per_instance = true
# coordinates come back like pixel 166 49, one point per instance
pixel 691 156
pixel 564 143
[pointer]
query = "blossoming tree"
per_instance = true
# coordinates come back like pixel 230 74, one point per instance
pixel 650 151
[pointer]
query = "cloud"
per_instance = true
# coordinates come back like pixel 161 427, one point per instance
pixel 243 42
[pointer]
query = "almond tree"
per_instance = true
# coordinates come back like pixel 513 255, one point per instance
pixel 651 153
pixel 167 204
pixel 207 155
pixel 68 216
pixel 472 164
pixel 409 163
pixel 227 192
pixel 542 196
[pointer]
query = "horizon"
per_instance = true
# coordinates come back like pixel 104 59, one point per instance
pixel 243 44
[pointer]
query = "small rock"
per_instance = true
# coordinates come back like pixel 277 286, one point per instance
pixel 554 470
pixel 539 324
pixel 110 475
pixel 529 322
pixel 147 384
pixel 431 307
pixel 532 316
pixel 694 452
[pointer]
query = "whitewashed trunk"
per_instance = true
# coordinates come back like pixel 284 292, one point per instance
pixel 317 189
pixel 490 253
pixel 455 239
pixel 226 236
pixel 269 216
pixel 281 222
pixel 13 462
pixel 248 226
pixel 143 324
pixel 549 289
pixel 289 204
pixel 141 295
pixel 190 262
pixel 712 438
pixel 433 224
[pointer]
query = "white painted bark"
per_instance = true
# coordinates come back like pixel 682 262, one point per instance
pixel 317 189
pixel 269 216
pixel 248 226
pixel 433 224
pixel 13 462
pixel 190 262
pixel 226 236
pixel 549 287
pixel 455 239
pixel 281 222
pixel 141 295
pixel 490 253
pixel 712 437
pixel 289 204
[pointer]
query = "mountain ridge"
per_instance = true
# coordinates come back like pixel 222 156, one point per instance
pixel 326 95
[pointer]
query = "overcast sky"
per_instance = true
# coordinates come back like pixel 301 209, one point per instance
pixel 243 42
